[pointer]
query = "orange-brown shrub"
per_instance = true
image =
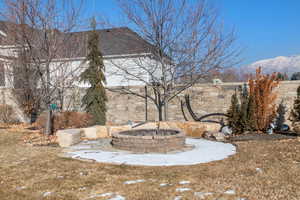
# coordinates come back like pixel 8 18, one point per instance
pixel 261 89
pixel 64 120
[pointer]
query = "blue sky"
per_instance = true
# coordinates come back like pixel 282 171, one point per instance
pixel 265 28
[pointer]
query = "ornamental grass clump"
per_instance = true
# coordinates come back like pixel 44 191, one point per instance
pixel 253 107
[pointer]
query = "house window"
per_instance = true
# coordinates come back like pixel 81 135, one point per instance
pixel 2 75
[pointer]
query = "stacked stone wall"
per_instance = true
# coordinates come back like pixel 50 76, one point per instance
pixel 205 98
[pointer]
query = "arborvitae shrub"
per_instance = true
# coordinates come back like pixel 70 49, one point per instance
pixel 255 106
pixel 295 114
pixel 234 114
pixel 280 118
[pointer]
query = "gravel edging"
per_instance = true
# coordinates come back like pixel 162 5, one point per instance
pixel 259 137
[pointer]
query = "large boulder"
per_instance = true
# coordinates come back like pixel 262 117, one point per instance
pixel 68 137
pixel 296 127
pixel 116 129
pixel 95 132
pixel 197 129
pixel 154 125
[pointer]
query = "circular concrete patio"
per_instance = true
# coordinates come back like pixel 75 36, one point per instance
pixel 204 151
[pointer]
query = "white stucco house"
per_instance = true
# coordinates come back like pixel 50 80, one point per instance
pixel 120 47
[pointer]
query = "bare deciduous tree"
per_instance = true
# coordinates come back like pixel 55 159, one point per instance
pixel 41 32
pixel 187 43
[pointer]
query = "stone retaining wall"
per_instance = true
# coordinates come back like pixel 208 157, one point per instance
pixel 205 98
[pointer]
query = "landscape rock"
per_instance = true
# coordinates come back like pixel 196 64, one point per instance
pixel 219 136
pixel 197 129
pixel 226 130
pixel 296 127
pixel 208 135
pixel 116 129
pixel 153 125
pixel 68 137
pixel 96 132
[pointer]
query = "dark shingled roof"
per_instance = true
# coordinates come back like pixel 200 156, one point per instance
pixel 113 42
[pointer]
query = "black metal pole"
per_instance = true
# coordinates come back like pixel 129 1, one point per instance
pixel 146 104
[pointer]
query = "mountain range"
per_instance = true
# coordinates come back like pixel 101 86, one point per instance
pixel 284 64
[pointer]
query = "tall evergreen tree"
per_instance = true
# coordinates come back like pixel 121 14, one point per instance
pixel 94 101
pixel 295 114
pixel 280 118
pixel 244 98
pixel 234 114
pixel 252 125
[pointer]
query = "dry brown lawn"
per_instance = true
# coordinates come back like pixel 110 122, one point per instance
pixel 28 172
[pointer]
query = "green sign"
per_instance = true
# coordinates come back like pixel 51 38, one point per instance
pixel 53 106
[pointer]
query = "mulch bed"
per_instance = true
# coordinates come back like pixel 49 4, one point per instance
pixel 260 136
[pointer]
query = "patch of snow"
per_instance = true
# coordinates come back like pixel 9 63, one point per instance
pixel 184 182
pixel 82 188
pixel 183 189
pixel 204 151
pixel 230 192
pixel 118 197
pixel 47 194
pixel 164 184
pixel 108 194
pixel 134 181
pixel 21 188
pixel 259 170
pixel 202 195
pixel 178 198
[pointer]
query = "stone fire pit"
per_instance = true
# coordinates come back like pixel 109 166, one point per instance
pixel 149 140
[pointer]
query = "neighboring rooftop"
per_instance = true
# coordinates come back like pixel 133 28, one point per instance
pixel 113 42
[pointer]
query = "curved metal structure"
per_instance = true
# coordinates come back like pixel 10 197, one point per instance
pixel 200 119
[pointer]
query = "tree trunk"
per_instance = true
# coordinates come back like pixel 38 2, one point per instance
pixel 48 129
pixel 166 111
pixel 160 112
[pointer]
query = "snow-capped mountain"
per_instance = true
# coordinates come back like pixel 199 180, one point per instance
pixel 285 64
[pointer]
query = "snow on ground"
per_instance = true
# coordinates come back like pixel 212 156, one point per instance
pixel 113 196
pixel 164 184
pixel 202 195
pixel 183 189
pixel 230 192
pixel 204 151
pixel 184 182
pixel 134 181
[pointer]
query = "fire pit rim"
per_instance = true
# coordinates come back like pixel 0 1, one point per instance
pixel 122 135
pixel 149 143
